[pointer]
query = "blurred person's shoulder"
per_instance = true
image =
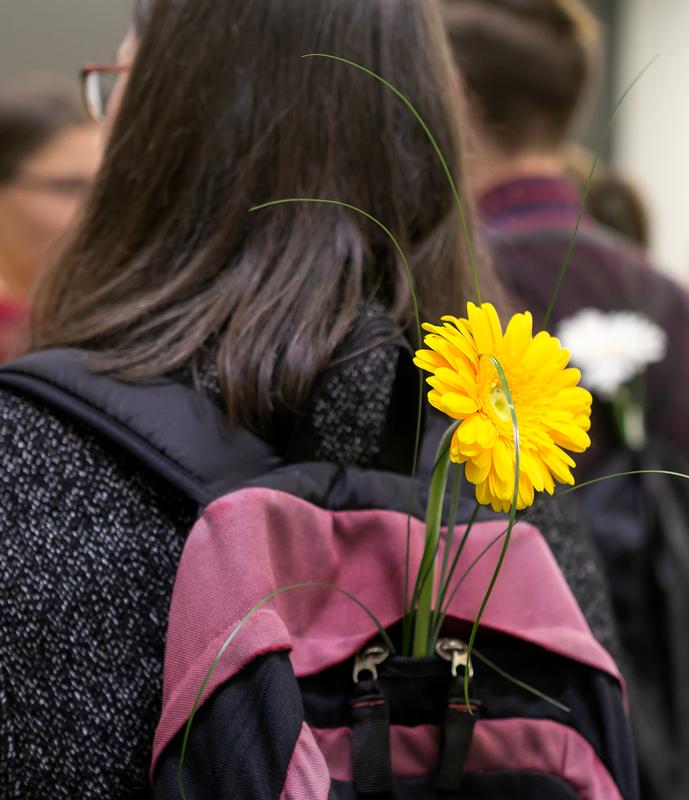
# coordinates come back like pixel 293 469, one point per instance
pixel 622 275
pixel 529 227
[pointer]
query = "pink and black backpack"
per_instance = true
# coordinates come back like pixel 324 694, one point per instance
pixel 307 701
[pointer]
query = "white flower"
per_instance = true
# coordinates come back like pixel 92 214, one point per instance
pixel 611 348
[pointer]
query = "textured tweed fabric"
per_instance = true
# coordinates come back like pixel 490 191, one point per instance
pixel 361 388
pixel 560 523
pixel 89 544
pixel 88 550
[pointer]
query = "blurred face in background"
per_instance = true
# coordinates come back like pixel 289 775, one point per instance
pixel 39 203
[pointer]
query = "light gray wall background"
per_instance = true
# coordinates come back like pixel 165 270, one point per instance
pixel 58 36
pixel 652 143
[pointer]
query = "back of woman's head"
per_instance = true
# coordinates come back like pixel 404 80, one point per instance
pixel 526 65
pixel 221 112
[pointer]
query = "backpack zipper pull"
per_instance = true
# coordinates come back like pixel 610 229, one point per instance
pixel 458 729
pixel 368 659
pixel 370 715
pixel 457 652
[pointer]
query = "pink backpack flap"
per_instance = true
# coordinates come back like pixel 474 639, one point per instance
pixel 294 658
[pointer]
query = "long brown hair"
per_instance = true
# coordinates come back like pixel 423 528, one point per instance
pixel 221 112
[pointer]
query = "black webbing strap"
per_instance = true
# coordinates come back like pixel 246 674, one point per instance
pixel 458 731
pixel 371 763
pixel 178 433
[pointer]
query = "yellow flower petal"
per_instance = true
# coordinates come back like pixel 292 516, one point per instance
pixel 486 433
pixel 485 327
pixel 483 494
pixel 467 433
pixel 503 460
pixel 430 360
pixel 458 406
pixel 570 437
pixel 518 333
pixel 458 380
pixel 532 466
pixel 525 496
pixel 476 473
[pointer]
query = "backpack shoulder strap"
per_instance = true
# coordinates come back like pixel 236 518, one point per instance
pixel 177 432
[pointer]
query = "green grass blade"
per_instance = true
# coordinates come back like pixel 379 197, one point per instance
pixel 510 526
pixel 406 622
pixel 426 575
pixel 594 481
pixel 442 613
pixel 262 602
pixel 521 684
pixel 429 556
pixel 471 566
pixel 439 153
pixel 587 188
pixel 457 477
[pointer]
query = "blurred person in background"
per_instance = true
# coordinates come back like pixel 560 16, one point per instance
pixel 528 66
pixel 49 153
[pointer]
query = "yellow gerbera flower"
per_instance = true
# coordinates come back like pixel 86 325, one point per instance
pixel 553 412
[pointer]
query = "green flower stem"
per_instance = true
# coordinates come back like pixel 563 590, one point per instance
pixel 406 621
pixel 457 475
pixel 428 557
pixel 426 576
pixel 629 418
pixel 441 611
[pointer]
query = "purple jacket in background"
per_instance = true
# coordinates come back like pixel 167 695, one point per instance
pixel 528 224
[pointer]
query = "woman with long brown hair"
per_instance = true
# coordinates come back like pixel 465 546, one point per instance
pixel 170 275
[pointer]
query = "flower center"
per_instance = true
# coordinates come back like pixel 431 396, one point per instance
pixel 499 402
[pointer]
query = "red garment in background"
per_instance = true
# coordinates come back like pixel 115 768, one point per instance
pixel 13 326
